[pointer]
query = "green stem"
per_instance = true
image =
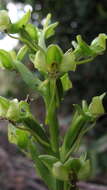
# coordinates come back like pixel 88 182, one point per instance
pixel 54 131
pixel 51 116
pixel 59 185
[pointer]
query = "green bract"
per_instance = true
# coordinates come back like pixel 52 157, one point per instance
pixel 4 20
pixel 53 156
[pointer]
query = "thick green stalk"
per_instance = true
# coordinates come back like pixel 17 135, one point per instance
pixel 54 131
pixel 51 115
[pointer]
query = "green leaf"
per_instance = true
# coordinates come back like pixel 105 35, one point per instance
pixel 31 80
pixel 15 27
pixel 32 31
pixel 48 160
pixel 72 135
pixel 18 136
pixel 40 61
pixel 22 138
pixel 42 169
pixel 66 83
pixel 22 52
pixel 12 134
pixel 48 28
pixel 12 54
pixel 68 62
pixel 54 57
pixel 37 130
pixel 6 61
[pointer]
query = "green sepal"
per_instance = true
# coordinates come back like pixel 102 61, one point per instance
pixel 60 172
pixel 66 82
pixel 98 45
pixel 6 61
pixel 48 160
pixel 42 170
pixel 40 61
pixel 68 62
pixel 96 107
pixel 15 27
pixel 54 57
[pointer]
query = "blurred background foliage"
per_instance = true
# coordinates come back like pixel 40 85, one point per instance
pixel 88 18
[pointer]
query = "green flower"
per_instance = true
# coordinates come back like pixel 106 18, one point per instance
pixel 13 109
pixel 4 20
pixel 50 60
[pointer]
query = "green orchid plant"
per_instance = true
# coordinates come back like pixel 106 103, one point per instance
pixel 54 158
